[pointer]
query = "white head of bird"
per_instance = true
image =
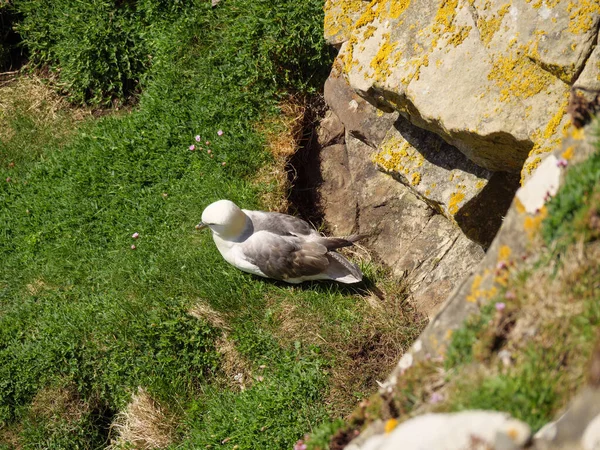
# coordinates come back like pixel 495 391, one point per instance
pixel 224 218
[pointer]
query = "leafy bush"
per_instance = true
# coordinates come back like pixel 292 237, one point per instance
pixel 103 49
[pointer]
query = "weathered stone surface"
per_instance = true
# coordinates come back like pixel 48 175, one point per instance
pixel 337 195
pixel 340 16
pixel 466 430
pixel 590 76
pixel 330 130
pixel 489 77
pixel 405 233
pixel 361 119
pixel 474 198
pixel 575 428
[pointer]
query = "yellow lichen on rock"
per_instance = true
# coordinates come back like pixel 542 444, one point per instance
pixel 546 141
pixel 455 199
pixel 517 77
pixel 488 27
pixel 398 7
pixel 582 14
pixel 532 224
pixel 415 179
pixel 381 62
pixel 338 16
pixel 390 425
pixel 504 253
pixel 568 153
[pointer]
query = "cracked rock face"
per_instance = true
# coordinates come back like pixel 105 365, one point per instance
pixel 405 232
pixel 490 77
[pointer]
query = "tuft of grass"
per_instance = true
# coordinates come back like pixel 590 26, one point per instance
pixel 144 424
pixel 571 203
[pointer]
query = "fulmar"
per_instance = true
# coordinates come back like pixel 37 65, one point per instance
pixel 278 246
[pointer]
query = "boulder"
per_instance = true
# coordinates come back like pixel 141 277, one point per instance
pixel 492 78
pixel 405 232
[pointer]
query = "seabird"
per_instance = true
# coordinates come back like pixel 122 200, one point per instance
pixel 275 245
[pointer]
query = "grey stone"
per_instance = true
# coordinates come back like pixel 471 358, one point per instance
pixel 490 77
pixel 363 120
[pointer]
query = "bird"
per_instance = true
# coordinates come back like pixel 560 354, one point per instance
pixel 278 246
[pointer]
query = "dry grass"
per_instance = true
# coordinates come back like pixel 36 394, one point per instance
pixel 364 354
pixel 283 134
pixel 143 425
pixel 236 369
pixel 59 403
pixel 30 95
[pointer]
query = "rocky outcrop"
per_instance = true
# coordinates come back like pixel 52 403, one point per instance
pixel 491 78
pixel 404 231
pixel 456 133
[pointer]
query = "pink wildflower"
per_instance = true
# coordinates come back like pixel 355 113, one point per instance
pixel 562 162
pixel 500 306
pixel 135 235
pixel 510 295
pixel 197 138
pixel 436 397
pixel 133 247
pixel 300 445
pixel 207 142
pixel 192 148
pixel 209 151
pixel 8 179
pixel 502 265
pixel 220 132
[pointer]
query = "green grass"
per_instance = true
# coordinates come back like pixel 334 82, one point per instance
pixel 566 209
pixel 83 313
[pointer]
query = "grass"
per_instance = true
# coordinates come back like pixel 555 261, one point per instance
pixel 528 350
pixel 550 322
pixel 163 329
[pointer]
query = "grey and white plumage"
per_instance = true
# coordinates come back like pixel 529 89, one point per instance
pixel 278 246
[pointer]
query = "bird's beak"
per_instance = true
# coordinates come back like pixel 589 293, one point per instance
pixel 201 226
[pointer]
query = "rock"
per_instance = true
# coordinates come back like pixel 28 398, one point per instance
pixel 578 427
pixel 336 192
pixel 340 16
pixel 405 233
pixel 363 120
pixel 542 185
pixel 591 435
pixel 590 76
pixel 490 77
pixel 330 130
pixel 474 198
pixel 468 430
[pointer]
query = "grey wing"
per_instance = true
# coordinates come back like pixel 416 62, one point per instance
pixel 283 257
pixel 280 224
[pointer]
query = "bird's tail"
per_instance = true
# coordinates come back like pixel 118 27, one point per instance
pixel 342 270
pixel 332 243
